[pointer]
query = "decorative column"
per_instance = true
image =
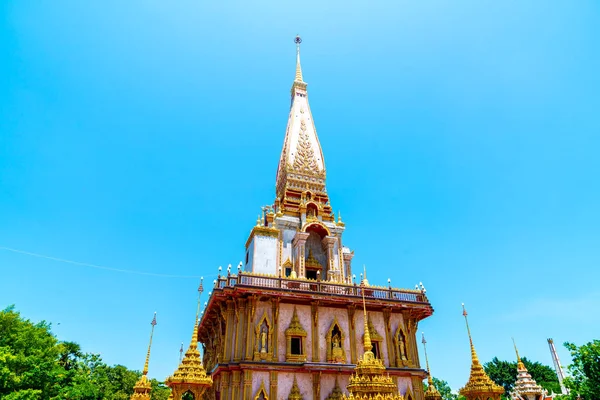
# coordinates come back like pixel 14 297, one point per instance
pixel 235 384
pixel 348 264
pixel 316 380
pixel 247 385
pixel 249 331
pixel 299 244
pixel 332 272
pixel 230 331
pixel 241 317
pixel 314 312
pixel 225 384
pixel 273 385
pixel 351 311
pixel 344 276
pixel 387 313
pixel 274 343
pixel 417 388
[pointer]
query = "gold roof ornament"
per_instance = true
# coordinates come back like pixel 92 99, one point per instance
pixel 295 391
pixel 370 380
pixel 525 386
pixel 142 388
pixel 190 375
pixel 431 393
pixel 479 384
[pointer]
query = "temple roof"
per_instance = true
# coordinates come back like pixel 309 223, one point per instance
pixel 301 155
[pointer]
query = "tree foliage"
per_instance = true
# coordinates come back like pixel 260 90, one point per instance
pixel 504 373
pixel 584 371
pixel 34 365
pixel 444 389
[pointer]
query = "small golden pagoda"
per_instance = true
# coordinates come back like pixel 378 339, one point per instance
pixel 142 388
pixel 479 385
pixel 431 393
pixel 370 380
pixel 190 376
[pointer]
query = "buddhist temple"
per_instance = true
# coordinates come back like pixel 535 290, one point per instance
pixel 525 387
pixel 431 393
pixel 142 388
pixel 284 324
pixel 479 386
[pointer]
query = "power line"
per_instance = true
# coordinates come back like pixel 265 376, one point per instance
pixel 126 271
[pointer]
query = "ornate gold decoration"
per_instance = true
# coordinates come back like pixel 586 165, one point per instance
pixel 370 380
pixel 432 393
pixel 479 384
pixel 335 343
pixel 312 262
pixel 336 393
pixel 295 330
pixel 190 376
pixel 401 347
pixel 295 391
pixel 142 388
pixel 305 161
pixel 262 392
pixel 260 230
pixel 263 343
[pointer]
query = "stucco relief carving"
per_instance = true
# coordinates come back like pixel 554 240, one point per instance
pixel 335 343
pixel 263 344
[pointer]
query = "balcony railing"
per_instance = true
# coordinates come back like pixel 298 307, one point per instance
pixel 309 285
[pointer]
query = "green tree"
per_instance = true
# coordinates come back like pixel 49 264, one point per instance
pixel 504 373
pixel 585 371
pixel 444 389
pixel 34 365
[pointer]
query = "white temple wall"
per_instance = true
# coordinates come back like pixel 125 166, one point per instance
pixel 265 255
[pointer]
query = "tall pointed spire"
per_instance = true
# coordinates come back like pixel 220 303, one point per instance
pixel 298 40
pixel 525 386
pixel 367 337
pixel 191 375
pixel 431 393
pixel 301 169
pixel 142 388
pixel 479 384
pixel 520 365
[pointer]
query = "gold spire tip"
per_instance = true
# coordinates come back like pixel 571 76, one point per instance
pixel 153 323
pixel 298 78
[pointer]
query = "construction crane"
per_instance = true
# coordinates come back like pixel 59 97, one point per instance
pixel 559 370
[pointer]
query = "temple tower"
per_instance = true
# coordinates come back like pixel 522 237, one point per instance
pixel 284 325
pixel 525 387
pixel 479 385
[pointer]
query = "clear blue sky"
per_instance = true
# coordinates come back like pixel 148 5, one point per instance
pixel 461 141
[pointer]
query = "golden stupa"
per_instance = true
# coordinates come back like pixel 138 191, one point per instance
pixel 142 388
pixel 479 385
pixel 190 376
pixel 370 380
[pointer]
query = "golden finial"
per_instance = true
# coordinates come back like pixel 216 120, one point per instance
pixel 520 365
pixel 432 393
pixel 298 40
pixel 473 353
pixel 258 221
pixel 142 388
pixel 429 379
pixel 365 281
pixel 153 323
pixel 367 337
